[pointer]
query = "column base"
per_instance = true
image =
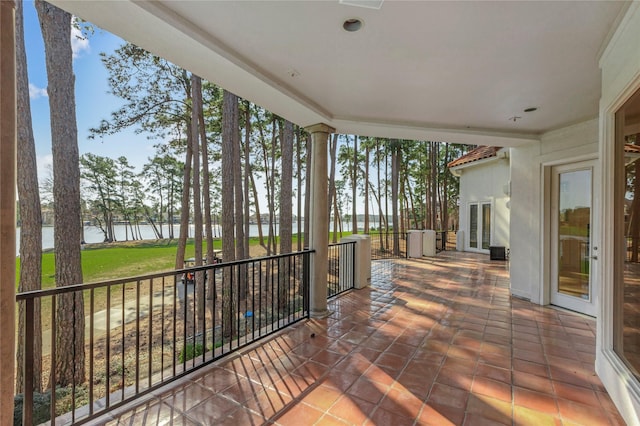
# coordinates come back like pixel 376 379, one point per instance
pixel 320 314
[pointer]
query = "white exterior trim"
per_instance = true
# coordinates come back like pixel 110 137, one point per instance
pixel 620 79
pixel 546 215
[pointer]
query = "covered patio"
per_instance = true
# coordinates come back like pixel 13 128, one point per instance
pixel 444 340
pixel 432 341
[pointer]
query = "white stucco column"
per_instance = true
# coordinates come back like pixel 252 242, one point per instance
pixel 7 208
pixel 319 220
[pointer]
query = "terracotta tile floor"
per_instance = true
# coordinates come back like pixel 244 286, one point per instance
pixel 431 342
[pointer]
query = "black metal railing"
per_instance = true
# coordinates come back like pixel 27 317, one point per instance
pixel 341 268
pixel 388 245
pixel 141 333
pixel 441 241
pixel 451 240
pixel 445 240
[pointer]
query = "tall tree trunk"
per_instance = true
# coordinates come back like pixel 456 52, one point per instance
pixel 30 213
pixel 412 207
pixel 396 160
pixel 196 112
pixel 110 225
pixel 337 219
pixel 272 185
pixel 254 190
pixel 403 207
pixel 286 185
pixel 267 177
pixel 253 182
pixel 445 192
pixel 169 212
pixel 427 186
pixel 434 185
pixel 377 199
pixel 69 365
pixel 354 189
pixel 247 172
pixel 333 145
pixel 206 199
pixel 379 194
pixel 307 191
pixel 162 213
pixel 386 194
pixel 239 202
pixel 149 217
pixel 285 229
pixel 299 189
pixel 440 208
pixel 184 213
pixel 229 129
pixel 170 191
pixel 366 187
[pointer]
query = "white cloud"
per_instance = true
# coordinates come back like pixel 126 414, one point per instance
pixel 36 92
pixel 79 43
pixel 44 166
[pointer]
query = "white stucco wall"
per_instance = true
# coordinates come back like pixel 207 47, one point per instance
pixel 620 64
pixel 483 182
pixel 524 235
pixel 530 193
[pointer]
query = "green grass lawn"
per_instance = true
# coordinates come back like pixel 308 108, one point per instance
pixel 101 262
pixel 107 261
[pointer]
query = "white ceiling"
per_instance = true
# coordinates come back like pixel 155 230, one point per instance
pixel 448 71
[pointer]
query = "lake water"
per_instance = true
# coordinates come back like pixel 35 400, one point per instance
pixel 93 234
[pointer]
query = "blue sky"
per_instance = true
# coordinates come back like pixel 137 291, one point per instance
pixel 93 103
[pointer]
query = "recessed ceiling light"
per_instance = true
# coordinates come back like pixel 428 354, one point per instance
pixel 352 24
pixel 531 109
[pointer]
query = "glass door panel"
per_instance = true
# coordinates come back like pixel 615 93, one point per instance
pixel 486 226
pixel 574 218
pixel 626 321
pixel 473 226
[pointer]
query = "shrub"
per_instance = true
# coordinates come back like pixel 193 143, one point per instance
pixel 190 351
pixel 41 408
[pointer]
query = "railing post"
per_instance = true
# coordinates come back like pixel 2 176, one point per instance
pixel 360 260
pixel 353 265
pixel 29 327
pixel 306 282
pixel 406 252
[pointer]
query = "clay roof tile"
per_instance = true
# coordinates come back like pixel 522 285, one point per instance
pixel 480 153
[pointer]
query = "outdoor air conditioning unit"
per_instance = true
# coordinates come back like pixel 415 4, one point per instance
pixel 497 253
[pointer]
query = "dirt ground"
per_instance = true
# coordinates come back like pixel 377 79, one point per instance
pixel 120 371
